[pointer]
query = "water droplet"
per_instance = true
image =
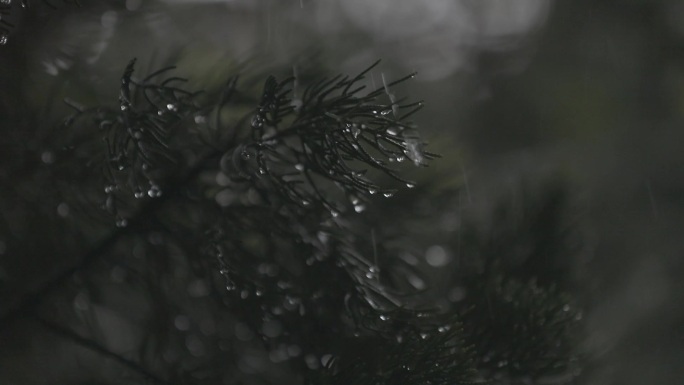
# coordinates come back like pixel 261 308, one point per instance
pixel 244 294
pixel 109 189
pixel 392 131
pixel 257 121
pixel 384 317
pixel 400 338
pixel 401 159
pixel 124 107
pixel 385 112
pixel 359 208
pixel 262 171
pixel 424 335
pixel 154 191
pixel 299 167
pixel 259 292
pixel 5 2
pixel 306 203
pixel 354 200
pixel 372 191
pixel 414 150
pixel 139 194
pixel 160 112
pixel 48 157
pixel 334 213
pixel 388 194
pixel 3 39
pixel 63 209
pixel 171 107
pixel 182 322
pixel 566 307
pixel 410 185
pixel 355 131
pixel 199 119
pixel 436 256
pixel 121 222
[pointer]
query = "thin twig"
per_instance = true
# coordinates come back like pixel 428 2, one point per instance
pixel 92 345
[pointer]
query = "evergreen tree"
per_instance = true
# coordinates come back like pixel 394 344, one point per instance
pixel 249 234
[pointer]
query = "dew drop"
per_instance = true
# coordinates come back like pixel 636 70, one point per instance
pixel 305 203
pixel 566 307
pixel 424 335
pixel 392 131
pixel 171 107
pixel 3 39
pixel 139 194
pixel 334 213
pixel 385 112
pixel 354 200
pixel 388 194
pixel 384 317
pixel 410 185
pixel 154 192
pixel 121 222
pixel 244 294
pixel 124 107
pixel 372 191
pixel 359 208
pixel 401 159
pixel 299 167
